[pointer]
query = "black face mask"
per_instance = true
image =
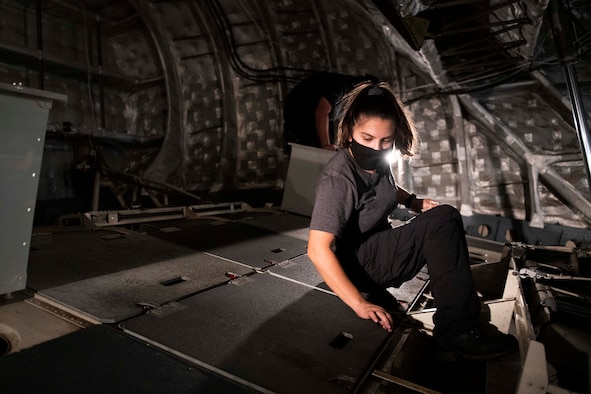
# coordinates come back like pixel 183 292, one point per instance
pixel 368 158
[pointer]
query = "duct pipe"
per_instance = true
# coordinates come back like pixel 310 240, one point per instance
pixel 579 115
pixel 563 38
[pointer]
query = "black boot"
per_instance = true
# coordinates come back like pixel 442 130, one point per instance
pixel 478 344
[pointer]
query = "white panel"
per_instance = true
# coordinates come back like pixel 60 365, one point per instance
pixel 305 163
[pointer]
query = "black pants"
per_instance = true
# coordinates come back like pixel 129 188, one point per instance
pixel 436 238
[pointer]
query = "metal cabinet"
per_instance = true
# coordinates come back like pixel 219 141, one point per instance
pixel 23 121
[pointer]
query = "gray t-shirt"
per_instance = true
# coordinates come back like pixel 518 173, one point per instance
pixel 351 203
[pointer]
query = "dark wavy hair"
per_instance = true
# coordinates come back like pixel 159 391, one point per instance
pixel 376 99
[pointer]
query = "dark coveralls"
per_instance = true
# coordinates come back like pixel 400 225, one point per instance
pixel 353 205
pixel 435 238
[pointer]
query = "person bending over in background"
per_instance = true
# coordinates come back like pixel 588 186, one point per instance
pixel 308 109
pixel 354 248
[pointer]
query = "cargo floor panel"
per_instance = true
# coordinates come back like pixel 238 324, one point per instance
pixel 62 257
pixel 100 359
pixel 275 333
pixel 122 295
pixel 249 245
pixel 291 225
pixel 300 269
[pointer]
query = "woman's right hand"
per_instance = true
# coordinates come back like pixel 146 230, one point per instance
pixel 369 311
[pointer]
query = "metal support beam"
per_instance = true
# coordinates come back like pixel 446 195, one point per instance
pixel 402 382
pixel 170 156
pixel 138 216
pixel 499 132
pixel 514 24
pixel 477 63
pixel 486 12
pixel 484 48
pixel 463 162
pixel 471 43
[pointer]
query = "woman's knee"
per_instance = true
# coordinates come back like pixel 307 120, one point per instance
pixel 445 211
pixel 445 216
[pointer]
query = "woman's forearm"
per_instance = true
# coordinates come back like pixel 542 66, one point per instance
pixel 330 269
pixel 332 273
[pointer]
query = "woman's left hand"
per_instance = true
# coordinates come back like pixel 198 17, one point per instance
pixel 424 204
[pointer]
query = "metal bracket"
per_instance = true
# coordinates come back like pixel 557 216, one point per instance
pixel 131 216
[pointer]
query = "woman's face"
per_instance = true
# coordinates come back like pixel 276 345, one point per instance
pixel 374 133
